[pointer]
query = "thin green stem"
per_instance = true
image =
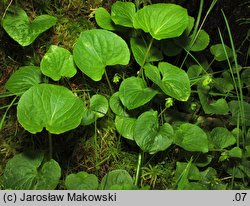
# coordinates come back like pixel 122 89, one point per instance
pixel 107 78
pixel 208 12
pixel 50 146
pixel 229 65
pixel 9 95
pixel 197 31
pixel 146 56
pixel 138 169
pixel 241 105
pixel 197 22
pixel 5 113
pixel 6 10
pixel 234 82
pixel 7 106
pixel 162 111
pixel 96 151
pixel 80 90
pixel 198 63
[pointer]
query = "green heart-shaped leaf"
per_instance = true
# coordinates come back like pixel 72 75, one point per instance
pixel 81 181
pixel 54 107
pixel 114 178
pixel 29 172
pixel 19 27
pixel 122 13
pixel 191 43
pixel 134 93
pixel 103 19
pixel 95 49
pixel 219 106
pixel 219 53
pixel 235 152
pixel 236 112
pixel 125 126
pixel 174 81
pixel 24 78
pixel 201 42
pixel 182 180
pixel 116 105
pixel 221 138
pixel 149 136
pixel 193 174
pixel 162 21
pixel 223 85
pixel 191 138
pixel 97 108
pixel 194 71
pixel 240 171
pixel 139 48
pixel 247 153
pixel 58 62
pixel 245 76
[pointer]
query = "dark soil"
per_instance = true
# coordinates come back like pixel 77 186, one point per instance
pixel 236 11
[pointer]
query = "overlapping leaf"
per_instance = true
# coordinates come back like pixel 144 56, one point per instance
pixel 139 48
pixel 235 109
pixel 96 49
pixel 122 13
pixel 29 172
pixel 125 126
pixel 116 105
pixel 116 178
pixel 134 93
pixel 151 137
pixel 191 138
pixel 103 19
pixel 54 107
pixel 172 80
pixel 221 52
pixel 221 138
pixel 81 181
pixel 58 62
pixel 97 108
pixel 162 21
pixel 24 78
pixel 17 24
pixel 219 106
